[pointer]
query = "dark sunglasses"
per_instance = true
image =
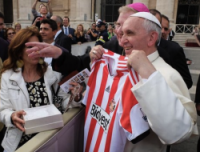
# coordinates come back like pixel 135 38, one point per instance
pixel 1 24
pixel 11 33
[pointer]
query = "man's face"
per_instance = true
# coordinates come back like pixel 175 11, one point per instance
pixel 134 36
pixel 93 27
pixel 102 28
pixel 47 33
pixel 118 27
pixel 1 23
pixel 165 28
pixel 65 21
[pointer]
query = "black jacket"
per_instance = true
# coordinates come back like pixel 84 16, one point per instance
pixel 64 41
pixel 177 59
pixel 3 49
pixel 67 63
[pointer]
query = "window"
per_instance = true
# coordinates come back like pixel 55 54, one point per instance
pixel 188 12
pixel 109 9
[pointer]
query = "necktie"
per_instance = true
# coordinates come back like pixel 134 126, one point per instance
pixel 66 31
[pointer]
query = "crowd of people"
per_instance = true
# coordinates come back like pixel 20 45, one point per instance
pixel 142 82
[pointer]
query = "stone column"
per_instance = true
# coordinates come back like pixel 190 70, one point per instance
pixel 146 2
pixel 24 12
pixel 1 6
pixel 166 7
pixel 80 12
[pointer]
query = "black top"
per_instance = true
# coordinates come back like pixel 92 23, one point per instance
pixel 92 37
pixel 38 97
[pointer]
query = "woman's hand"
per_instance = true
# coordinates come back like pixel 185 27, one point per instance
pixel 17 119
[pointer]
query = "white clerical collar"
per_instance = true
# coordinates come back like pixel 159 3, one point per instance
pixel 58 32
pixel 153 56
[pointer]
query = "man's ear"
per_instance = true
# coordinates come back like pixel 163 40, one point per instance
pixel 153 36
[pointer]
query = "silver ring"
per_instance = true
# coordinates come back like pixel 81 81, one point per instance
pixel 95 52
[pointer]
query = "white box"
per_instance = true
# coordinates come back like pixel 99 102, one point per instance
pixel 42 118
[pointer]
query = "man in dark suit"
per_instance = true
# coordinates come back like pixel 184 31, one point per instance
pixel 68 30
pixel 60 38
pixel 2 30
pixel 3 49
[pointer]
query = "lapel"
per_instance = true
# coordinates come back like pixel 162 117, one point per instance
pixel 50 78
pixel 58 37
pixel 18 79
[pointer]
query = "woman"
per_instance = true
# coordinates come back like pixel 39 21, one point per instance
pixel 79 34
pixel 10 33
pixel 25 83
pixel 110 33
pixel 17 27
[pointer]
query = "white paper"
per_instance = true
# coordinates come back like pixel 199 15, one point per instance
pixel 78 78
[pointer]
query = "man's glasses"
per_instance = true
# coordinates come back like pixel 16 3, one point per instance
pixel 11 33
pixel 1 24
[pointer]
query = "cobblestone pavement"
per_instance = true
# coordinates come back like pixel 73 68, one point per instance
pixel 190 145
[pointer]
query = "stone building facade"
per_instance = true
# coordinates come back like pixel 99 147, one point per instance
pixel 184 12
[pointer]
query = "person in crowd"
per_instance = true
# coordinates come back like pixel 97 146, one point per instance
pixel 171 34
pixel 2 29
pixel 93 32
pixel 79 34
pixel 197 38
pixel 141 34
pixel 195 30
pixel 3 49
pixel 10 33
pixel 88 35
pixel 42 14
pixel 63 61
pixel 27 76
pixel 60 38
pixel 110 33
pixel 103 35
pixel 21 79
pixel 3 57
pixel 124 13
pixel 17 27
pixel 197 101
pixel 68 30
pixel 43 10
pixel 171 51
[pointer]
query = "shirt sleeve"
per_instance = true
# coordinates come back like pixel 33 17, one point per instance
pixel 35 13
pixel 6 108
pixel 170 114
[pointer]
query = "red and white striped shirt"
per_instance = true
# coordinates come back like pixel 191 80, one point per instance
pixel 107 125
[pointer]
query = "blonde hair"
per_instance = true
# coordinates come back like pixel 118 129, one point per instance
pixel 125 9
pixel 77 33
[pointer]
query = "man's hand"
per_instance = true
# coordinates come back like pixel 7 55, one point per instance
pixel 39 49
pixel 96 53
pixel 70 36
pixel 17 119
pixel 140 63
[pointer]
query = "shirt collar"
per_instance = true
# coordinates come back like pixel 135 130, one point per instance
pixel 58 32
pixel 153 56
